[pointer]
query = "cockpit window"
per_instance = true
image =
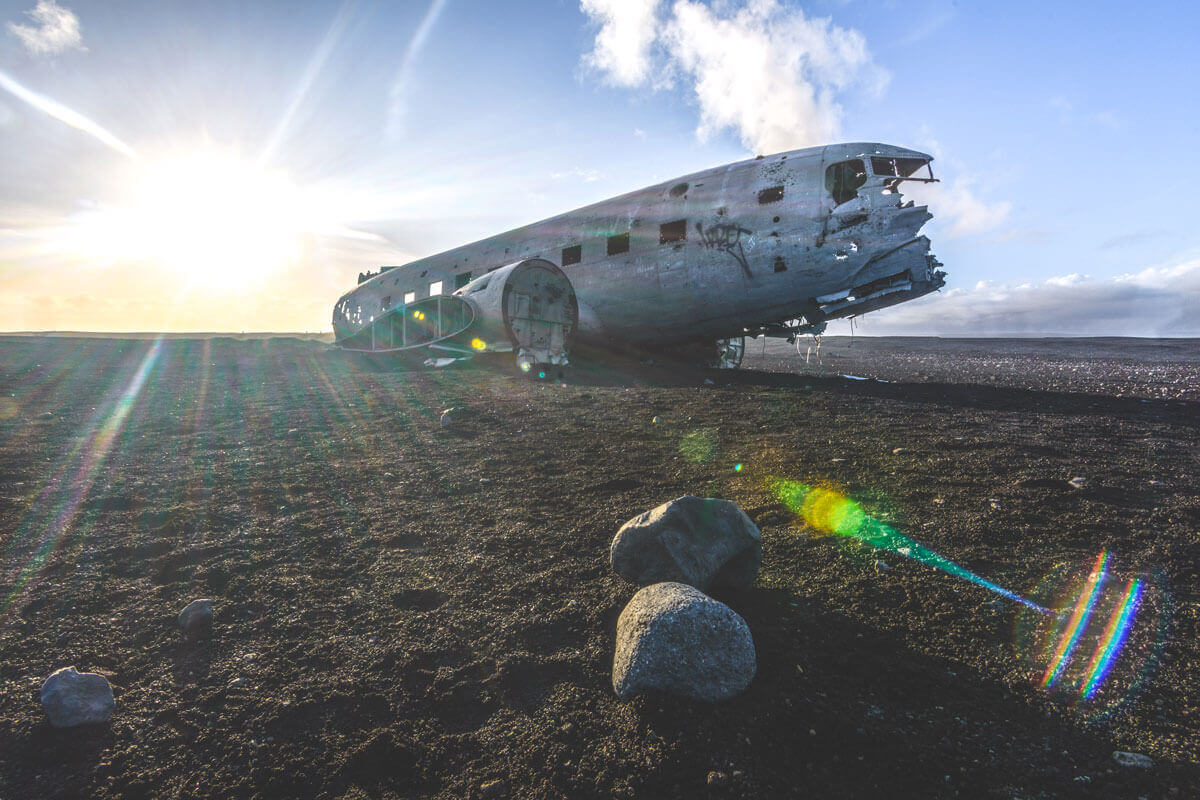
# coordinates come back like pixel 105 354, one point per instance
pixel 844 178
pixel 914 168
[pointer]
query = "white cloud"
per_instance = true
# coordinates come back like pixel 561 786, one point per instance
pixel 1157 301
pixel 769 73
pixel 964 211
pixel 958 208
pixel 56 30
pixel 627 31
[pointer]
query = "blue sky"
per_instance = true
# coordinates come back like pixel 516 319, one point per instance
pixel 233 166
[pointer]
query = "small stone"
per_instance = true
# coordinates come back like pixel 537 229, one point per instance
pixel 673 638
pixel 657 419
pixel 293 431
pixel 492 789
pixel 197 616
pixel 994 503
pixel 717 778
pixel 568 728
pixel 1078 482
pixel 1126 759
pixel 72 698
pixel 900 451
pixel 881 565
pixel 700 541
pixel 389 475
pixel 453 416
pixel 237 683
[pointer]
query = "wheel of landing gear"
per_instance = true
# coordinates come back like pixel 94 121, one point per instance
pixel 729 353
pixel 537 371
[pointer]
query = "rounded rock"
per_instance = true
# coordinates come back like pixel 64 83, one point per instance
pixel 700 541
pixel 72 698
pixel 1126 759
pixel 197 616
pixel 673 638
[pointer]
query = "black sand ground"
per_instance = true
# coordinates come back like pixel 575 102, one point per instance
pixel 409 610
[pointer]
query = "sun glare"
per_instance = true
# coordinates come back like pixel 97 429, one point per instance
pixel 215 217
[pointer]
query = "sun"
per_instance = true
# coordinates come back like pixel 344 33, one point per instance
pixel 214 217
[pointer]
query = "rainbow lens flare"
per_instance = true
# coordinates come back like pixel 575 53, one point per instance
pixel 1105 640
pixel 1082 613
pixel 1099 645
pixel 1112 639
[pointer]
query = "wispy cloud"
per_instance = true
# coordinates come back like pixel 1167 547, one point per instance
pixel 55 30
pixel 1069 114
pixel 586 175
pixel 1157 301
pixel 397 99
pixel 769 73
pixel 58 111
pixel 315 64
pixel 958 206
pixel 964 212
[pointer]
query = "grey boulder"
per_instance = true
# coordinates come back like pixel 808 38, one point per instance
pixel 700 541
pixel 197 616
pixel 675 639
pixel 72 698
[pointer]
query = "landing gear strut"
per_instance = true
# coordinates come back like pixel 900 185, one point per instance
pixel 729 353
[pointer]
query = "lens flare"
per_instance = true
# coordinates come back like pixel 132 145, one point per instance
pixel 1105 640
pixel 54 513
pixel 1113 639
pixel 1049 639
pixel 699 447
pixel 478 344
pixel 1078 623
pixel 833 513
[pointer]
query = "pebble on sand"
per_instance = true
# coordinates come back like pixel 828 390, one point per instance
pixel 1126 759
pixel 197 616
pixel 492 789
pixel 72 698
pixel 455 415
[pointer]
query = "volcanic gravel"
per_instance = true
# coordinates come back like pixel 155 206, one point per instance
pixel 406 609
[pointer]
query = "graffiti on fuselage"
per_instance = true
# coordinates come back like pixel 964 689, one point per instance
pixel 726 237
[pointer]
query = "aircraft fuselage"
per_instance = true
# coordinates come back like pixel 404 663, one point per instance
pixel 772 245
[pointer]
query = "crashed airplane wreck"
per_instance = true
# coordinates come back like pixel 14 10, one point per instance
pixel 771 246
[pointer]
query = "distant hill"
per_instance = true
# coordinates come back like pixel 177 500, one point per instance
pixel 322 336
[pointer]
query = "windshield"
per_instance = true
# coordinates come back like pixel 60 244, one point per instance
pixel 843 179
pixel 916 169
